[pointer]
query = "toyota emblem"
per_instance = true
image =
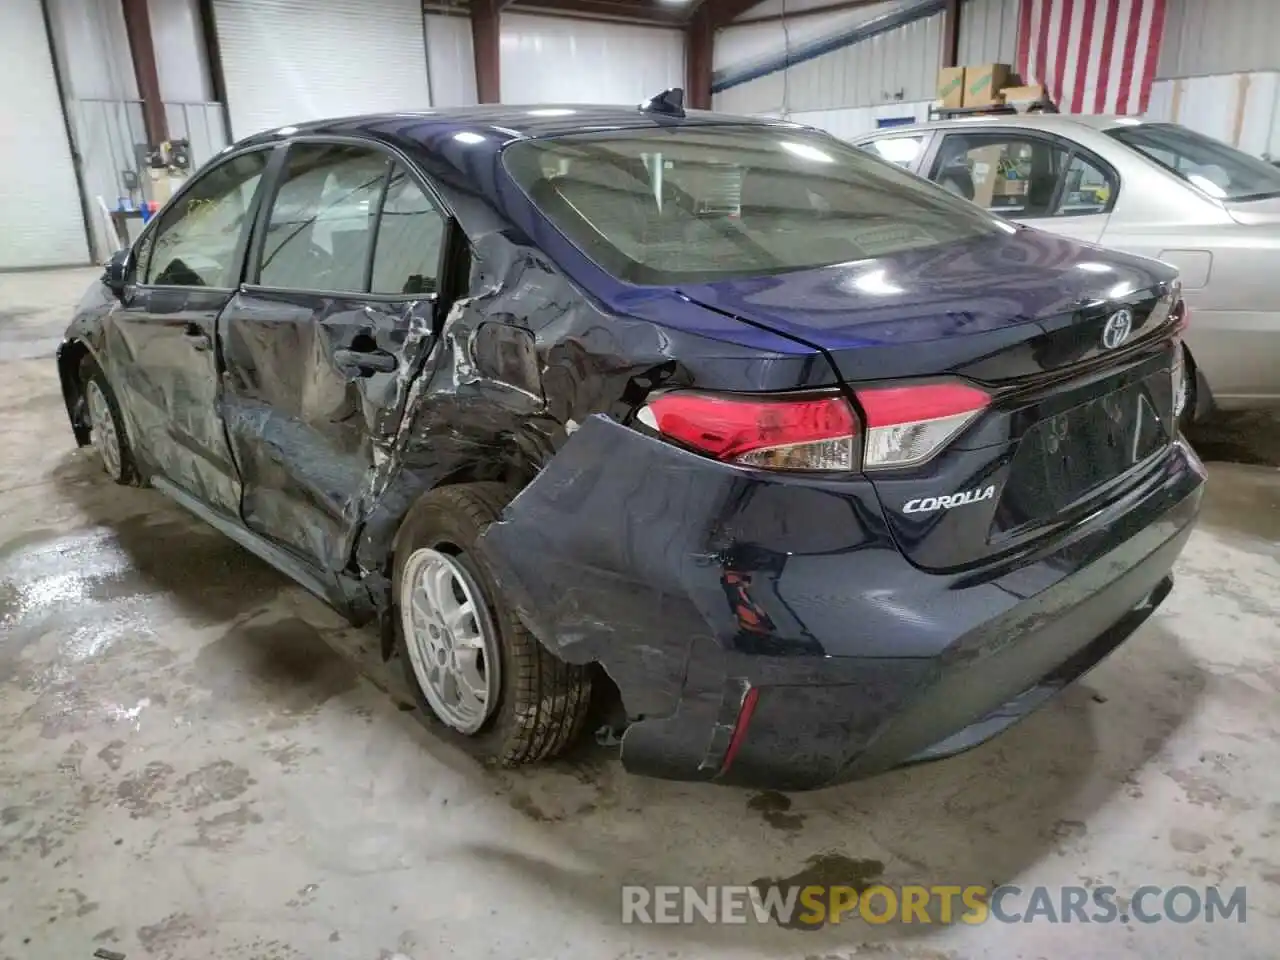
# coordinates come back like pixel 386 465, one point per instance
pixel 1117 329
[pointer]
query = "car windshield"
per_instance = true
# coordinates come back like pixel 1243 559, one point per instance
pixel 1209 165
pixel 697 203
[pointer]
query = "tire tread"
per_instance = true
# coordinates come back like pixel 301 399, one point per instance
pixel 551 697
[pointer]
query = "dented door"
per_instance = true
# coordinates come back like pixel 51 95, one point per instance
pixel 162 349
pixel 321 349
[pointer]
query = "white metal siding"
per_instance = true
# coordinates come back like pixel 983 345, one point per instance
pixel 450 61
pixel 988 31
pixel 556 59
pixel 746 42
pixel 286 61
pixel 850 122
pixel 1240 108
pixel 899 65
pixel 40 214
pixel 1219 36
pixel 93 49
pixel 182 59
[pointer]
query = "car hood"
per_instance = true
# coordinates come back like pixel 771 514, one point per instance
pixel 949 292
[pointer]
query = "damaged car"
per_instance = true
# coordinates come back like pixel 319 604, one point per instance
pixel 805 466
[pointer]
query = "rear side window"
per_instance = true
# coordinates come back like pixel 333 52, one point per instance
pixel 1209 165
pixel 320 229
pixel 410 235
pixel 1021 176
pixel 696 203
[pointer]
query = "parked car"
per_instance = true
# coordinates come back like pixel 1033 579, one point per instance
pixel 1155 189
pixel 824 469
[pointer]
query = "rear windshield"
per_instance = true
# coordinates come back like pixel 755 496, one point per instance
pixel 1209 165
pixel 689 204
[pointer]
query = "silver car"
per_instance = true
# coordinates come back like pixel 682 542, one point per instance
pixel 1155 189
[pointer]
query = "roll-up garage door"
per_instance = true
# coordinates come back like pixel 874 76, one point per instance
pixel 41 219
pixel 286 61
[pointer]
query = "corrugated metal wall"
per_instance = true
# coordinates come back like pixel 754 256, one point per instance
pixel 988 31
pixel 1242 109
pixel 550 59
pixel 450 62
pixel 850 122
pixel 900 65
pixel 1219 37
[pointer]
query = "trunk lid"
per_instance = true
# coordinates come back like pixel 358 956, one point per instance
pixel 1076 418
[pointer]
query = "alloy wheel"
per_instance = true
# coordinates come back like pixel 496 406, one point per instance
pixel 451 640
pixel 105 438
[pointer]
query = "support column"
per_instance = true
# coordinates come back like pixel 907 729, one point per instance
pixel 698 38
pixel 951 34
pixel 137 24
pixel 486 47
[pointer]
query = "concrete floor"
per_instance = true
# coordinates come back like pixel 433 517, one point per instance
pixel 201 760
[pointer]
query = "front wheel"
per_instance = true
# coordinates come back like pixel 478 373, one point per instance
pixel 467 657
pixel 107 434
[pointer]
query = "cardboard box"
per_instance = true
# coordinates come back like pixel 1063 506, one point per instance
pixel 951 87
pixel 984 168
pixel 1030 93
pixel 982 84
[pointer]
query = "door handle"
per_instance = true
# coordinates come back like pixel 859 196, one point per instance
pixel 195 335
pixel 363 363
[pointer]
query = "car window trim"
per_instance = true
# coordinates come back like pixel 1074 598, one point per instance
pixel 253 266
pixel 241 249
pixel 1071 147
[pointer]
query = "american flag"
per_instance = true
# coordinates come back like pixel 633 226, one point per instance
pixel 1092 56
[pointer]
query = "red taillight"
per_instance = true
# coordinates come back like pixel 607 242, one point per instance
pixel 908 425
pixel 905 426
pixel 740 728
pixel 809 434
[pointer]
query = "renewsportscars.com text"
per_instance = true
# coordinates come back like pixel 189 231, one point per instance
pixel 795 906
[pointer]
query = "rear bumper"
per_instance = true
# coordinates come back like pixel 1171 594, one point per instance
pixel 692 583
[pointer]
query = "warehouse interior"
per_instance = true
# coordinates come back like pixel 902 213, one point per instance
pixel 202 759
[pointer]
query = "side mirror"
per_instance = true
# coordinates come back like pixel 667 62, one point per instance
pixel 116 275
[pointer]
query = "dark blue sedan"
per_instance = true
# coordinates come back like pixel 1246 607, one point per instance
pixel 780 464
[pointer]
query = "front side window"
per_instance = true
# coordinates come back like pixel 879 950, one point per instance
pixel 410 235
pixel 902 151
pixel 1212 167
pixel 195 245
pixel 320 228
pixel 1019 176
pixel 699 203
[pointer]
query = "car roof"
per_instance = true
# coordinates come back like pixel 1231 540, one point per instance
pixel 1062 122
pixel 502 123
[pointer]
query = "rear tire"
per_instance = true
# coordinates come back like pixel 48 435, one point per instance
pixel 106 425
pixel 532 705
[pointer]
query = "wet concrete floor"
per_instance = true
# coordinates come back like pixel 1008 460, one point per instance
pixel 202 761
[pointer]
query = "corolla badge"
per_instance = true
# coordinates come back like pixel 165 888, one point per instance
pixel 1117 329
pixel 930 504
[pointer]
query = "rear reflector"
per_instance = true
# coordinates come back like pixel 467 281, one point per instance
pixel 778 434
pixel 908 425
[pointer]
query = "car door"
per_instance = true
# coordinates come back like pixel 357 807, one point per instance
pixel 324 338
pixel 1044 181
pixel 163 355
